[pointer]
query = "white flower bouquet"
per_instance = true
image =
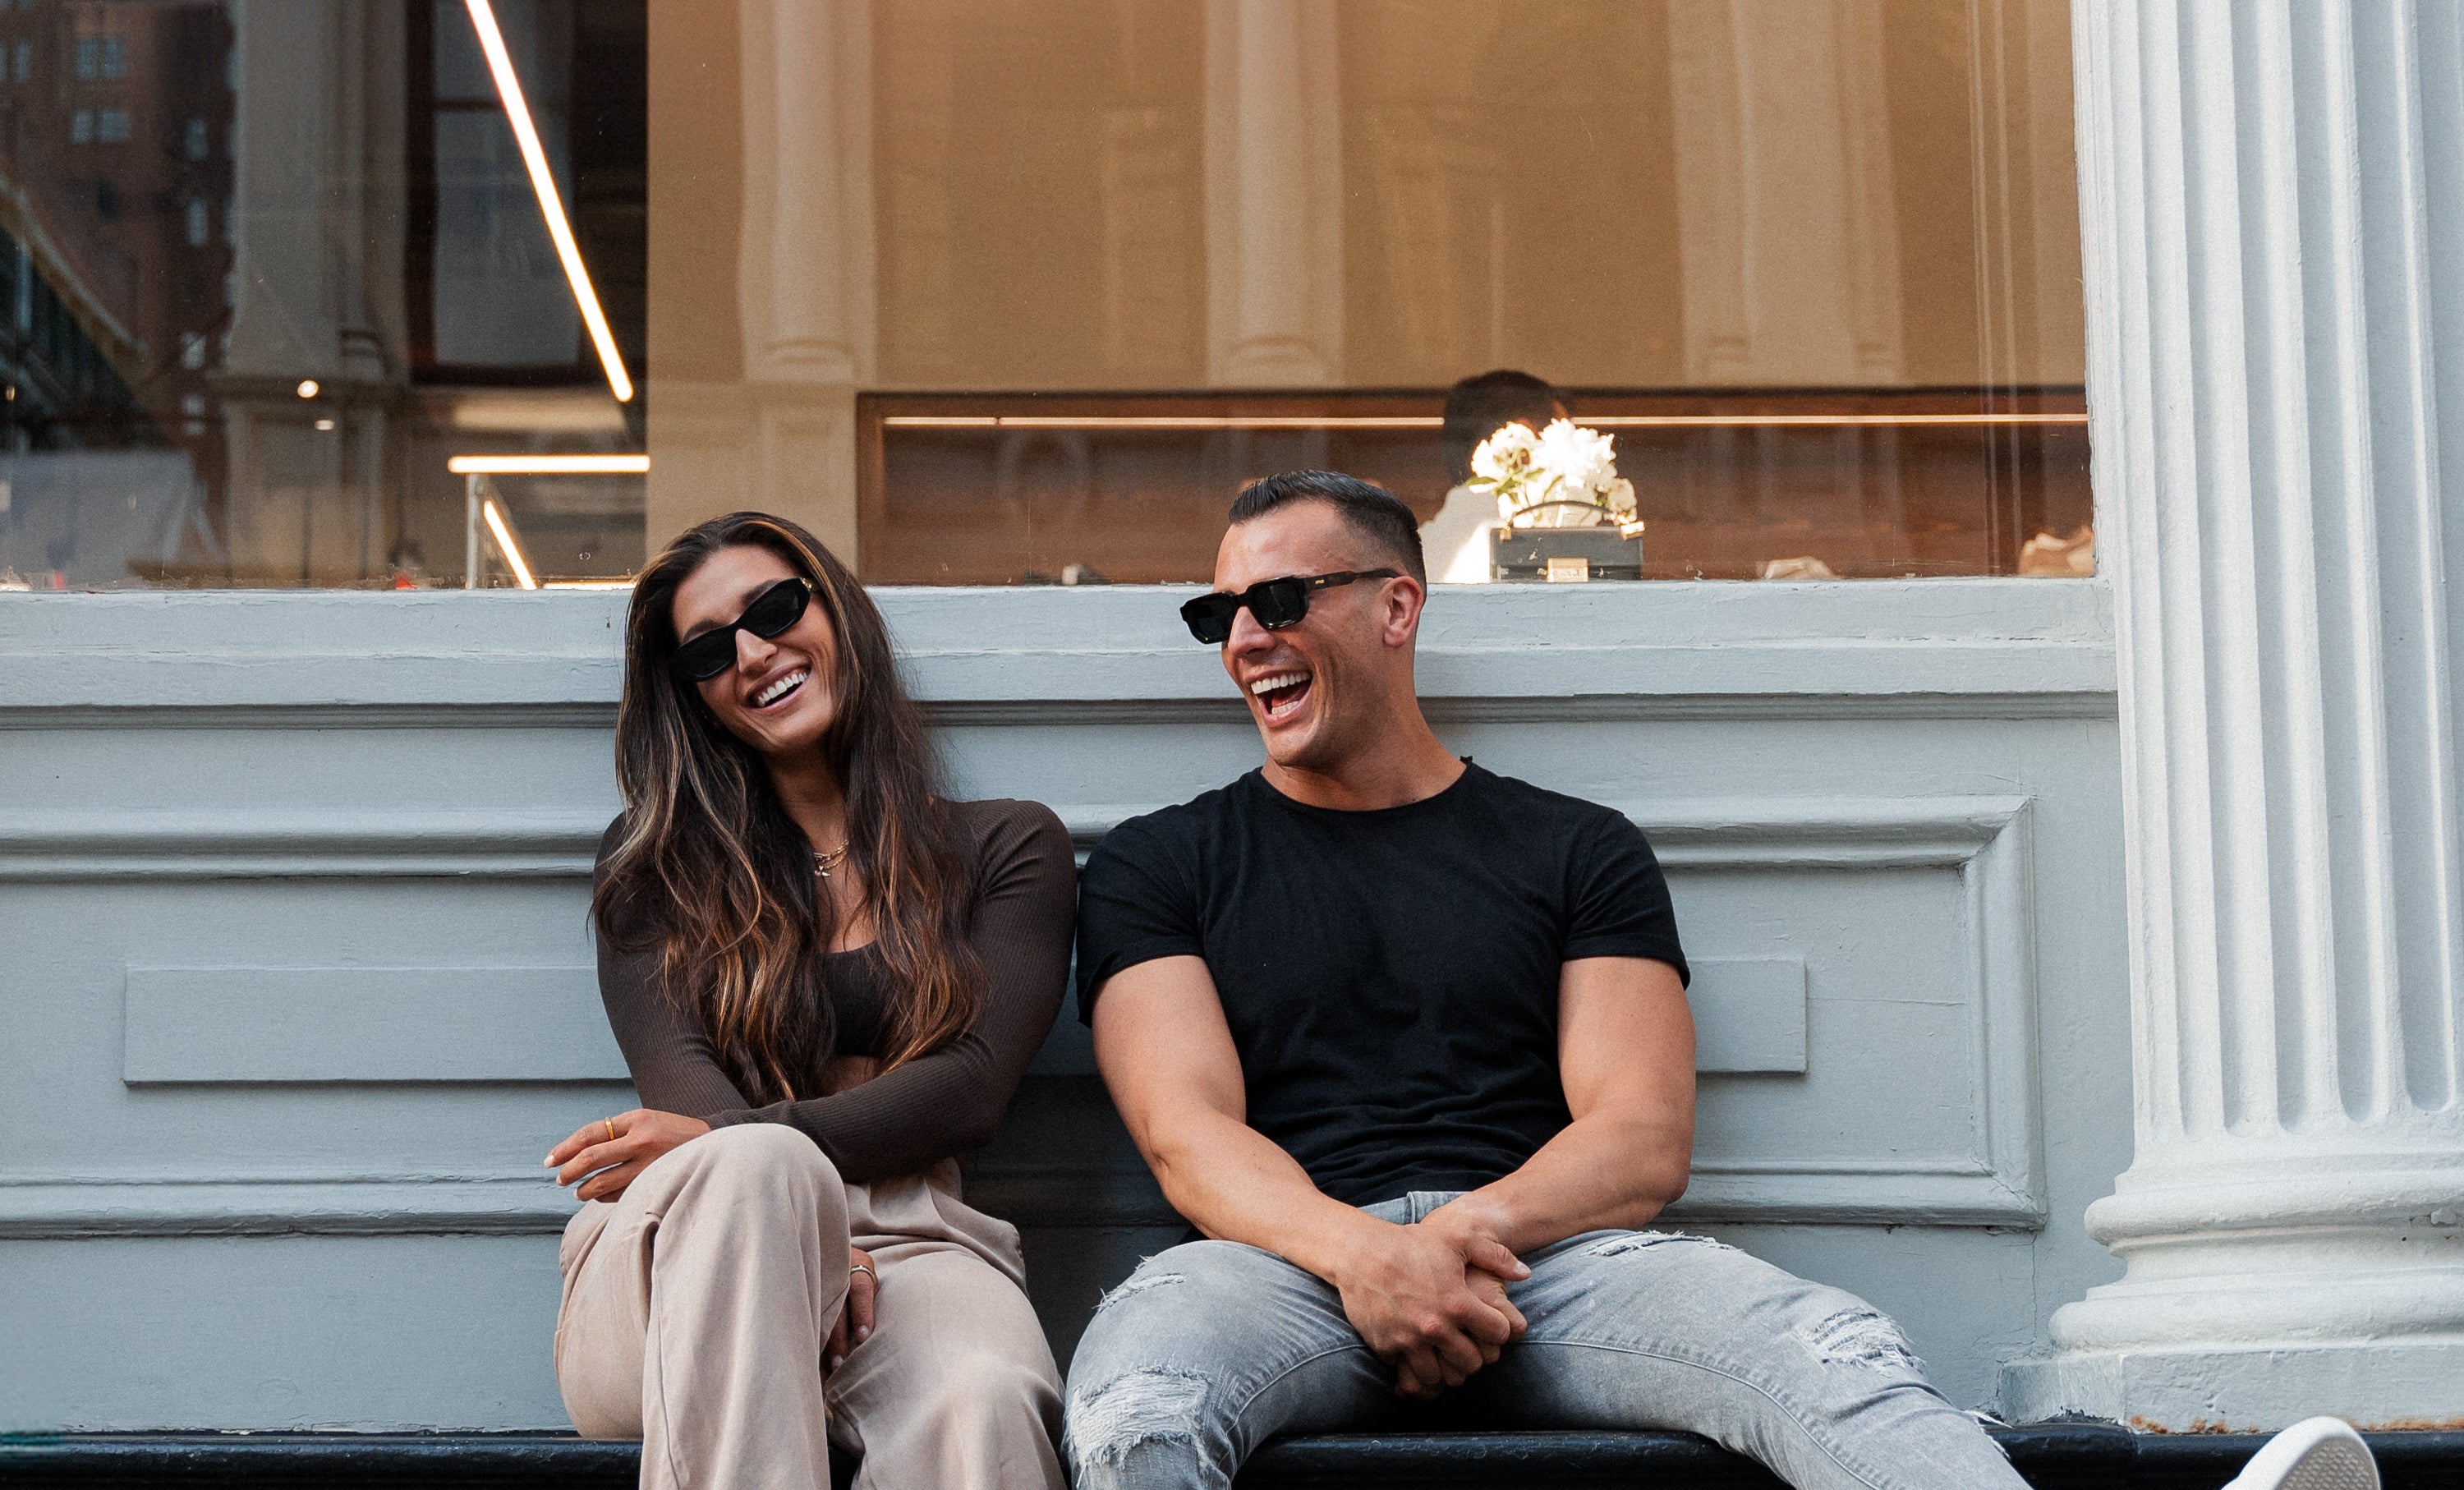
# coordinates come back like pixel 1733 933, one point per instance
pixel 1565 476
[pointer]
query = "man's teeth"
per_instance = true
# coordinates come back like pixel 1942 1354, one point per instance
pixel 775 690
pixel 1267 684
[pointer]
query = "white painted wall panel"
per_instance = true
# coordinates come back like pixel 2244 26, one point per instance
pixel 293 945
pixel 237 1026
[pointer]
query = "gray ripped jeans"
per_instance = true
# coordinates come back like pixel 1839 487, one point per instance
pixel 1212 1347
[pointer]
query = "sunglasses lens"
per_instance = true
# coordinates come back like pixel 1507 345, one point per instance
pixel 707 655
pixel 1210 617
pixel 1278 602
pixel 776 610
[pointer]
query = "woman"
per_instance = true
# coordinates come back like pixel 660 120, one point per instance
pixel 827 981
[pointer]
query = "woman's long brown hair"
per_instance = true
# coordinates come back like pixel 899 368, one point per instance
pixel 709 870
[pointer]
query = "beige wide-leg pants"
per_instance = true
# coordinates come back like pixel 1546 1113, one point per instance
pixel 696 1303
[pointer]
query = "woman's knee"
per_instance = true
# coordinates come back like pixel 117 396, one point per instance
pixel 763 1146
pixel 750 1162
pixel 984 1382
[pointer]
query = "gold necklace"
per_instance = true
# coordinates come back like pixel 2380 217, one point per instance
pixel 825 863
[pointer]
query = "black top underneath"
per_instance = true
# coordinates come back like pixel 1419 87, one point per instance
pixel 1390 978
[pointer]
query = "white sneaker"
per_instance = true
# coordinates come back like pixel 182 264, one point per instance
pixel 2317 1454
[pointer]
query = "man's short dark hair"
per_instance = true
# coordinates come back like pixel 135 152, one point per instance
pixel 1368 509
pixel 1477 407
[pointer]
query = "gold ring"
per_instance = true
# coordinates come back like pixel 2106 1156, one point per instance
pixel 612 1128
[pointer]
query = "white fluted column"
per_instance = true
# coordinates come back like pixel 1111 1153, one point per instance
pixel 2274 203
pixel 1274 194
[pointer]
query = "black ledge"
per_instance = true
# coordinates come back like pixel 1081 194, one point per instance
pixel 2051 1455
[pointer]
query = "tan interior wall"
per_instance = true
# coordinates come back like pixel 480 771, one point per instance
pixel 696 203
pixel 760 265
pixel 1136 194
pixel 1637 192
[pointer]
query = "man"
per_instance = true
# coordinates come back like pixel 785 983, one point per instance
pixel 1454 544
pixel 1408 1042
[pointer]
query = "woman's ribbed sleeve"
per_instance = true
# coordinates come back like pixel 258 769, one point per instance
pixel 935 1106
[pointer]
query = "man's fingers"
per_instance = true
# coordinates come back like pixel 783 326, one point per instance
pixel 1489 1256
pixel 1490 1290
pixel 1416 1373
pixel 834 1349
pixel 1459 1355
pixel 1484 1320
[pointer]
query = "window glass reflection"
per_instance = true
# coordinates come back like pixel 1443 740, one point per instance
pixel 269 268
pixel 996 294
pixel 1812 269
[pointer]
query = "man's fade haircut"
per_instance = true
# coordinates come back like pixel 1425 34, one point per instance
pixel 1366 508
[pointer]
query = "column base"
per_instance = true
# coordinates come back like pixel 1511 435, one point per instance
pixel 2390 1385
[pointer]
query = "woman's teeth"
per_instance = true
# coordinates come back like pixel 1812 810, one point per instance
pixel 779 690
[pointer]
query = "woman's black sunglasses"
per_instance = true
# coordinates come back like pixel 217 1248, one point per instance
pixel 713 653
pixel 1277 604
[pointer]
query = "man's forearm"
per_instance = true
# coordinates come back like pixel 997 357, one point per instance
pixel 1604 1170
pixel 1235 1184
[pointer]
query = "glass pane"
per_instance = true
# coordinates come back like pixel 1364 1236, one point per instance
pixel 992 293
pixel 269 271
pixel 1812 268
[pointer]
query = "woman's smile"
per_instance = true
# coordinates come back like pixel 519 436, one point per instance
pixel 778 690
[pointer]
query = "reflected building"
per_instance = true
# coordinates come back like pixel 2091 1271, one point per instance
pixel 281 258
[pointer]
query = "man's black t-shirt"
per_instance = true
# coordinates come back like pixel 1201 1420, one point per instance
pixel 1390 977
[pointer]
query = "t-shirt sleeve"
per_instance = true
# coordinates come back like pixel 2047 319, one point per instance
pixel 1137 901
pixel 1619 898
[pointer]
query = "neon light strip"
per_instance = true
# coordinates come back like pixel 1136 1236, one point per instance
pixel 508 88
pixel 1163 421
pixel 506 545
pixel 544 465
pixel 1433 421
pixel 1760 421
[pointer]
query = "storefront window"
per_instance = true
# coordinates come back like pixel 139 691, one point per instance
pixel 992 293
pixel 271 268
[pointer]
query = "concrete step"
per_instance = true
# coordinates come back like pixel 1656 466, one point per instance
pixel 2051 1456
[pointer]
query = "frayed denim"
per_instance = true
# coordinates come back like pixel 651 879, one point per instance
pixel 1212 1347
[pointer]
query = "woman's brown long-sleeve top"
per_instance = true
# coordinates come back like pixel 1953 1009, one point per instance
pixel 932 1107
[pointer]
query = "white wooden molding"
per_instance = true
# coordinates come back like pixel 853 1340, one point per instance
pixel 219 843
pixel 72 1205
pixel 1994 1182
pixel 1052 653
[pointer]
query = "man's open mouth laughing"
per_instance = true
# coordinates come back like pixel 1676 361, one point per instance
pixel 1280 692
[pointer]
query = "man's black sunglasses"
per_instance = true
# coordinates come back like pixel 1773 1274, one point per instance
pixel 1277 604
pixel 713 653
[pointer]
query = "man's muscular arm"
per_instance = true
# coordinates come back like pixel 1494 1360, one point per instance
pixel 1416 1295
pixel 1625 1053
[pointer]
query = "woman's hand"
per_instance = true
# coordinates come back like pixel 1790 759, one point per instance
pixel 855 1322
pixel 608 1154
